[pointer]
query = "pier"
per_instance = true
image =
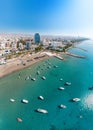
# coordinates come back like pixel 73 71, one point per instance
pixel 59 57
pixel 81 48
pixel 74 55
pixel 53 55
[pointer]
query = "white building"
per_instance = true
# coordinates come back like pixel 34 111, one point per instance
pixel 14 46
pixel 56 44
pixel 21 46
pixel 2 45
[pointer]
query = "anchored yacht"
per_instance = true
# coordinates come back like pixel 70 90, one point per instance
pixel 43 77
pixel 24 101
pixel 12 100
pixel 68 83
pixel 41 97
pixel 33 79
pixel 61 88
pixel 42 110
pixel 62 106
pixel 76 99
pixel 19 119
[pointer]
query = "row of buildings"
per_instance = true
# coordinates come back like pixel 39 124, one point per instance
pixel 6 43
pixel 20 42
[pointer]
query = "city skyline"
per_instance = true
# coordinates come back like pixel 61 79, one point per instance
pixel 47 17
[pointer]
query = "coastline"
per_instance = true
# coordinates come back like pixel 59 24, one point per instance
pixel 28 60
pixel 15 65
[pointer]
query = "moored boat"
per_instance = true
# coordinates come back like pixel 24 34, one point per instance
pixel 19 76
pixel 76 99
pixel 41 97
pixel 42 110
pixel 38 72
pixel 27 78
pixel 61 88
pixel 19 119
pixel 33 79
pixel 43 77
pixel 55 66
pixel 61 79
pixel 12 100
pixel 24 101
pixel 68 83
pixel 62 106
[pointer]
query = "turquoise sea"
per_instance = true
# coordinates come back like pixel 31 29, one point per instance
pixel 77 115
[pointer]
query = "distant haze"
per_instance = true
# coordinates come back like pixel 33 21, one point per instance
pixel 65 17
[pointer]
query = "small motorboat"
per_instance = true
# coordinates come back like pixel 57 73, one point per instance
pixel 62 106
pixel 19 76
pixel 24 101
pixel 76 99
pixel 42 110
pixel 12 100
pixel 49 67
pixel 41 97
pixel 55 66
pixel 68 83
pixel 33 79
pixel 38 72
pixel 61 79
pixel 27 78
pixel 19 119
pixel 43 77
pixel 61 88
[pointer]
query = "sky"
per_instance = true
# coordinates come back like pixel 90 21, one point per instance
pixel 61 17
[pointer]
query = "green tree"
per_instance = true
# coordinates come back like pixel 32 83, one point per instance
pixel 39 48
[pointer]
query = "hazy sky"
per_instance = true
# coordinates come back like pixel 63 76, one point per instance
pixel 73 17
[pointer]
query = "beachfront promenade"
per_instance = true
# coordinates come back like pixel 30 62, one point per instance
pixel 25 61
pixel 19 63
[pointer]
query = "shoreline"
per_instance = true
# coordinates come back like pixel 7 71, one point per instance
pixel 15 66
pixel 22 62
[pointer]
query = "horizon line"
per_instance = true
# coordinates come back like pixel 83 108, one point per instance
pixel 45 34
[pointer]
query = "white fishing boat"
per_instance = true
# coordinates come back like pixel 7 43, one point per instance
pixel 12 100
pixel 49 67
pixel 38 72
pixel 33 79
pixel 27 78
pixel 19 76
pixel 55 66
pixel 76 99
pixel 62 106
pixel 24 101
pixel 61 79
pixel 43 77
pixel 68 83
pixel 61 88
pixel 19 119
pixel 41 97
pixel 42 110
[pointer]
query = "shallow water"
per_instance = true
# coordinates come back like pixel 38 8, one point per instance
pixel 77 115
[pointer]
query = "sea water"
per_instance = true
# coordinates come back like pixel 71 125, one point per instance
pixel 77 115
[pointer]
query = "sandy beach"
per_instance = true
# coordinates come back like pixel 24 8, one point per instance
pixel 22 62
pixel 19 63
